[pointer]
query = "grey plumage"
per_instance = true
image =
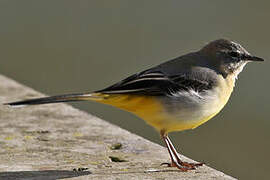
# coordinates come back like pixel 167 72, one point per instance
pixel 196 71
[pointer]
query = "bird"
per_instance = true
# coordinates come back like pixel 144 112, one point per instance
pixel 176 95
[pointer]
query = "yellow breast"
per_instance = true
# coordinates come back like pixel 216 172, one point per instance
pixel 223 90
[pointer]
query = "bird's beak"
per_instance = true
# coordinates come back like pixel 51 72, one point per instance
pixel 254 58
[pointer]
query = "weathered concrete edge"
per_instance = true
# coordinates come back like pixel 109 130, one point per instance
pixel 83 130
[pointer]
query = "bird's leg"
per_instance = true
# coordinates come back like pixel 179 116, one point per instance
pixel 176 162
pixel 182 163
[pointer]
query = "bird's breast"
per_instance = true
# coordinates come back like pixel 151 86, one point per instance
pixel 188 110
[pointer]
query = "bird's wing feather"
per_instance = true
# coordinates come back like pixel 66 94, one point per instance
pixel 154 82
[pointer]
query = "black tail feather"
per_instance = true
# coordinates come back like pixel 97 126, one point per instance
pixel 52 99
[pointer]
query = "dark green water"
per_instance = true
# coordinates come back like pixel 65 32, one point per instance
pixel 72 46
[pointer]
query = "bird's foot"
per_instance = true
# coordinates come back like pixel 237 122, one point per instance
pixel 190 165
pixel 183 166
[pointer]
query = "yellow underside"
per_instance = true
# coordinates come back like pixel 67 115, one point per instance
pixel 149 109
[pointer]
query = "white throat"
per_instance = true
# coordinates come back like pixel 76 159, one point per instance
pixel 239 69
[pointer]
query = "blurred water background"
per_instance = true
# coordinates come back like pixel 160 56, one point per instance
pixel 70 46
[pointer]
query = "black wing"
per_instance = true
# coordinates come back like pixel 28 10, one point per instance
pixel 156 83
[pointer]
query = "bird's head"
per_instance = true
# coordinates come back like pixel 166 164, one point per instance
pixel 229 57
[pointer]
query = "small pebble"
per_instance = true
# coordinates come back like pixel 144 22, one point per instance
pixel 116 159
pixel 116 146
pixel 80 169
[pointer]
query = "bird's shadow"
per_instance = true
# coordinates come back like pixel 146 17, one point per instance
pixel 61 174
pixel 41 175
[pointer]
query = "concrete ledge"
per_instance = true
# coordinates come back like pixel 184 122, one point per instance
pixel 58 141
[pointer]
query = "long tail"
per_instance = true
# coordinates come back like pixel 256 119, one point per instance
pixel 58 99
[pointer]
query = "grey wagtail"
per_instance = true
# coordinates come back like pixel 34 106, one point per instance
pixel 177 95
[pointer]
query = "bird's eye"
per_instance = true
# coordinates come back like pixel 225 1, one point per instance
pixel 234 54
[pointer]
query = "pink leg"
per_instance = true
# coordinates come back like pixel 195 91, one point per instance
pixel 176 161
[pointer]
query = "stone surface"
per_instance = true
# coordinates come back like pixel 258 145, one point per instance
pixel 57 141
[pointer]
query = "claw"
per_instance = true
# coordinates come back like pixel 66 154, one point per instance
pixel 181 167
pixel 190 165
pixel 167 164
